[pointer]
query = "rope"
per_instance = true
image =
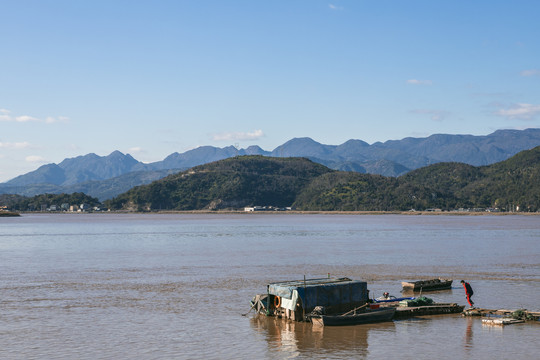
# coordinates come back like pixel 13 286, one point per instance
pixel 252 306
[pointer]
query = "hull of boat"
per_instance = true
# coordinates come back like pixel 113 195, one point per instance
pixel 427 285
pixel 371 316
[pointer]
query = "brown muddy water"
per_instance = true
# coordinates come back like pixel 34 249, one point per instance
pixel 118 286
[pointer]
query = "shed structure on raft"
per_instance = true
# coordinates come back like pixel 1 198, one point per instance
pixel 294 299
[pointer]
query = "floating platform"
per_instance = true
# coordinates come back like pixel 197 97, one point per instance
pixel 501 321
pixel 521 314
pixel 403 312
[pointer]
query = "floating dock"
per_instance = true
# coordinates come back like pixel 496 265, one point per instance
pixel 403 312
pixel 501 321
pixel 521 314
pixel 301 300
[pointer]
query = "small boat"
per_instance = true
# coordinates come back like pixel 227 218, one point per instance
pixel 392 299
pixel 367 317
pixel 427 285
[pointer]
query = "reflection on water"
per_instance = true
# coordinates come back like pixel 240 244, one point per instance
pixel 301 338
pixel 468 341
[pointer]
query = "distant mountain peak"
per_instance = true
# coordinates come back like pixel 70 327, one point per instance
pixel 117 153
pixel 304 146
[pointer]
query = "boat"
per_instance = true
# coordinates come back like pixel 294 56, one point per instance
pixel 294 300
pixel 404 312
pixel 367 317
pixel 427 285
pixel 392 299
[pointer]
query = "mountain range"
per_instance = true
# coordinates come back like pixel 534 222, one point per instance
pixel 299 183
pixel 107 176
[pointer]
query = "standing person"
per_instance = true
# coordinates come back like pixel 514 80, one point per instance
pixel 468 291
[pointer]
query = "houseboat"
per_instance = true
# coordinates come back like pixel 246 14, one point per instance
pixel 295 300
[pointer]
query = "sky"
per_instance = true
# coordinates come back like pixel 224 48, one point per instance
pixel 150 78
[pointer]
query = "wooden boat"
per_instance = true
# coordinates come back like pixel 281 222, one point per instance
pixel 427 285
pixel 370 316
pixel 404 312
pixel 392 299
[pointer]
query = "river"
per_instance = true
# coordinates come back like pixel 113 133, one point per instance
pixel 176 286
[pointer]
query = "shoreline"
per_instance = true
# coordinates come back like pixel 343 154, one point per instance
pixel 9 214
pixel 290 212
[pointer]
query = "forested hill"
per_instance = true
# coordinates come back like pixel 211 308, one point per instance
pixel 508 185
pixel 305 185
pixel 230 183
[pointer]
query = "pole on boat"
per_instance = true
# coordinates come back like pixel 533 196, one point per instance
pixel 303 304
pixel 267 300
pixel 252 306
pixel 354 310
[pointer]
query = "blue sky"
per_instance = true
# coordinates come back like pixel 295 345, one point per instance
pixel 150 78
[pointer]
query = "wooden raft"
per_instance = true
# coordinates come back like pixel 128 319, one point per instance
pixel 501 321
pixel 435 309
pixel 532 315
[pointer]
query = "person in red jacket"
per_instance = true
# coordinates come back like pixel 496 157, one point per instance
pixel 468 291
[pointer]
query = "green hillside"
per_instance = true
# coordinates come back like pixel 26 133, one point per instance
pixel 510 183
pixel 348 191
pixel 35 203
pixel 230 183
pixel 257 180
pixel 447 186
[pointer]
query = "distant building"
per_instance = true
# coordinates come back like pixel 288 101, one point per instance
pixel 254 208
pixel 266 208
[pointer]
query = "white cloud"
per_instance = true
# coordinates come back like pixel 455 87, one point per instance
pixel 59 119
pixel 5 116
pixel 35 159
pixel 16 145
pixel 335 7
pixel 25 118
pixel 436 115
pixel 232 136
pixel 135 150
pixel 419 82
pixel 532 72
pixel 73 147
pixel 520 112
